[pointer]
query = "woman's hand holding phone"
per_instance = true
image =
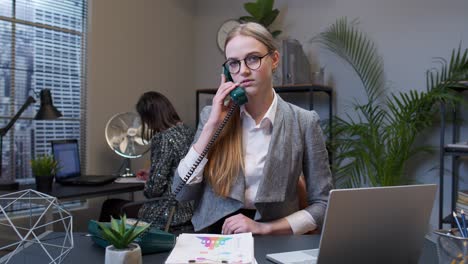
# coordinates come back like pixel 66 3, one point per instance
pixel 219 108
pixel 218 111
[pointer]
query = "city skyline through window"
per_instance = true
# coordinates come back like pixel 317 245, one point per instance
pixel 43 46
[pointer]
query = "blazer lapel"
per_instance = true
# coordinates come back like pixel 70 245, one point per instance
pixel 272 187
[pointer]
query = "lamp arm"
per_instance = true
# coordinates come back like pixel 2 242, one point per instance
pixel 26 104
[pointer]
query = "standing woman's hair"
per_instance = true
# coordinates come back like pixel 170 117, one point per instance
pixel 157 114
pixel 255 31
pixel 225 159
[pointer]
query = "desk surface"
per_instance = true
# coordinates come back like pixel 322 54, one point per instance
pixel 85 251
pixel 84 191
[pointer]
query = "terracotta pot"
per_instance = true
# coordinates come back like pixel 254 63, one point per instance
pixel 130 255
pixel 44 183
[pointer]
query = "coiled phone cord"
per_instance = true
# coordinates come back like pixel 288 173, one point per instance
pixel 172 201
pixel 207 148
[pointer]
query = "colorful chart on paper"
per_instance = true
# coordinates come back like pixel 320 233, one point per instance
pixel 210 248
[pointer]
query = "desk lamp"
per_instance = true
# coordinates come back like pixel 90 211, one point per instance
pixel 47 111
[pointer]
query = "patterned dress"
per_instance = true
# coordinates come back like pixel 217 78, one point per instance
pixel 167 149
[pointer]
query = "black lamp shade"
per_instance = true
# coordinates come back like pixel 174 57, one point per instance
pixel 47 110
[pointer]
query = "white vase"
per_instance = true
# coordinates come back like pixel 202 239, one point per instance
pixel 130 255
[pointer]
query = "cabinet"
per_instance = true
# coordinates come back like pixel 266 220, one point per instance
pixel 454 151
pixel 306 89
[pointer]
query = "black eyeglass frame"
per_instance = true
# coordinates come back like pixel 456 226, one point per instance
pixel 245 62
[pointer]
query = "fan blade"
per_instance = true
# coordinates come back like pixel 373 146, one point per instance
pixel 140 141
pixel 125 125
pixel 123 145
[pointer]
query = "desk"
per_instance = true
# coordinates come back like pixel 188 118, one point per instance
pixel 68 192
pixel 85 251
pixel 62 192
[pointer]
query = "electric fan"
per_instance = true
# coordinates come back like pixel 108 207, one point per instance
pixel 123 134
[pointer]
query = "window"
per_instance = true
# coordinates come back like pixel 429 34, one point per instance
pixel 43 45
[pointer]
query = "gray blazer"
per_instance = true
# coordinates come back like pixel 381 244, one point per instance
pixel 296 146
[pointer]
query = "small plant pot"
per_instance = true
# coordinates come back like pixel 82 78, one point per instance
pixel 130 255
pixel 44 183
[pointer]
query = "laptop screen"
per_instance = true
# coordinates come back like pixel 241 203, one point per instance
pixel 67 155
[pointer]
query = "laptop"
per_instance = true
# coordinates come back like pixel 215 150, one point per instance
pixel 66 152
pixel 370 225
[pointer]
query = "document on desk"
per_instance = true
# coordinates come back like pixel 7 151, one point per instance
pixel 211 248
pixel 128 180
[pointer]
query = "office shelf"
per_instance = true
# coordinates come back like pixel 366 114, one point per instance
pixel 454 151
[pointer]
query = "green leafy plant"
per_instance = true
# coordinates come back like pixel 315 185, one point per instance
pixel 44 165
pixel 373 147
pixel 261 12
pixel 118 234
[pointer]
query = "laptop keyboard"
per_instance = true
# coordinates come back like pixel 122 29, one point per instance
pixel 311 252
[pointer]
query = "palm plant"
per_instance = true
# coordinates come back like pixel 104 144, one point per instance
pixel 373 147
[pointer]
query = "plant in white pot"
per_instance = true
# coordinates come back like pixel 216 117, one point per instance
pixel 120 237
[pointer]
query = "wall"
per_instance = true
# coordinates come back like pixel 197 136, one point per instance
pixel 134 47
pixel 408 34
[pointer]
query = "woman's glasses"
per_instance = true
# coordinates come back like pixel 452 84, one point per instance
pixel 252 62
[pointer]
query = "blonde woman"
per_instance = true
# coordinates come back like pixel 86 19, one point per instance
pixel 248 181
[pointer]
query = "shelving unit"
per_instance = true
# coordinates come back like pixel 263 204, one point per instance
pixel 308 89
pixel 455 152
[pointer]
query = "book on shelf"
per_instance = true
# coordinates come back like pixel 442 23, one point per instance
pixel 462 200
pixel 460 207
pixel 458 146
pixel 462 197
pixel 211 248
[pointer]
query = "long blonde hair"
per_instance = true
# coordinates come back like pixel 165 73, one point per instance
pixel 225 159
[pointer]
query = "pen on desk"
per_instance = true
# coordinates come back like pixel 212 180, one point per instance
pixel 464 223
pixel 458 224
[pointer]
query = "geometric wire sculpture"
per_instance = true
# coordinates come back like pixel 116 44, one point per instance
pixel 40 207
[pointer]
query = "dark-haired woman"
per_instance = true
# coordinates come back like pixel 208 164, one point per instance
pixel 170 141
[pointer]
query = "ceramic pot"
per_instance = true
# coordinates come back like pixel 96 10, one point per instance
pixel 44 183
pixel 130 255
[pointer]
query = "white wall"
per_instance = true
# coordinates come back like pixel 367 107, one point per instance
pixel 408 34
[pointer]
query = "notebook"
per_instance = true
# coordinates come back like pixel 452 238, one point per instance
pixel 66 152
pixel 370 225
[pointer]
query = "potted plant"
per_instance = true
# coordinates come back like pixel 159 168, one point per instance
pixel 44 168
pixel 373 147
pixel 120 237
pixel 261 12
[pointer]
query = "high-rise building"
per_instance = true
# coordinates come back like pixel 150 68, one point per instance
pixel 45 57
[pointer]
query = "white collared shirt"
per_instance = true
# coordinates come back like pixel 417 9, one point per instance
pixel 255 143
